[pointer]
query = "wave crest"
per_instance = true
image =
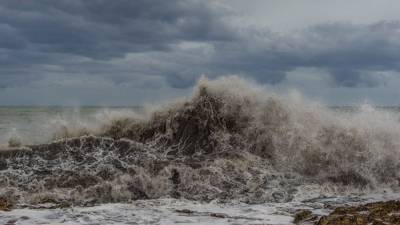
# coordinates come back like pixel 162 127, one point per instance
pixel 230 140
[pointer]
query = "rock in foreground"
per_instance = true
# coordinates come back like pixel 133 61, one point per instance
pixel 378 213
pixel 5 205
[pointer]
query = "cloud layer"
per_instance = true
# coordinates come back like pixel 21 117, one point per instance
pixel 147 44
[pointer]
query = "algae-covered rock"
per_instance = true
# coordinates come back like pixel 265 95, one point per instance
pixel 5 205
pixel 302 215
pixel 373 213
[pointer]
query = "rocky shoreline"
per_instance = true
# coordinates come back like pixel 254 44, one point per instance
pixel 377 213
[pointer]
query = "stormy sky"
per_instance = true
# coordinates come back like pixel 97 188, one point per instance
pixel 129 52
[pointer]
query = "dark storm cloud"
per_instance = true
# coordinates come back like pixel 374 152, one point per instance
pixel 348 52
pixel 123 40
pixel 103 29
pixel 9 38
pixel 353 55
pixel 356 46
pixel 34 33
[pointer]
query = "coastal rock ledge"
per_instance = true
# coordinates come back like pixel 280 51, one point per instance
pixel 378 213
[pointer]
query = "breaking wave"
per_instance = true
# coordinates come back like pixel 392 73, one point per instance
pixel 230 141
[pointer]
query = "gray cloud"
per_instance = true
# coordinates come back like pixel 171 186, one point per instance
pixel 353 78
pixel 147 43
pixel 63 33
pixel 103 29
pixel 349 52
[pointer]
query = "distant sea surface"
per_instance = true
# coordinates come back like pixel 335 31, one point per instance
pixel 38 123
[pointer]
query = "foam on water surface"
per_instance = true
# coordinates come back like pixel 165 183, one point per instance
pixel 165 211
pixel 231 141
pixel 173 211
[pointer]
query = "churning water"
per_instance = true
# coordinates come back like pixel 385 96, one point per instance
pixel 231 146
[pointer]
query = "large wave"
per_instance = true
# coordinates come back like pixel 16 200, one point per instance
pixel 230 140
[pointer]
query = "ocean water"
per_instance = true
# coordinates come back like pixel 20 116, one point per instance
pixel 173 211
pixel 232 153
pixel 41 124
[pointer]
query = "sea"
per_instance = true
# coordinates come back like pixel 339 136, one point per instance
pixel 232 153
pixel 39 124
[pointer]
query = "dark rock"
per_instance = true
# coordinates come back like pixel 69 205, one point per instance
pixel 373 213
pixel 5 205
pixel 302 215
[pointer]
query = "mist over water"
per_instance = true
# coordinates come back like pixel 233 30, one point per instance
pixel 38 125
pixel 231 140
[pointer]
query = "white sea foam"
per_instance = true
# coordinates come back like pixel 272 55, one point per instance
pixel 230 141
pixel 173 211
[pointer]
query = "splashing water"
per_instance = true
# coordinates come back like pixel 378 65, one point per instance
pixel 231 140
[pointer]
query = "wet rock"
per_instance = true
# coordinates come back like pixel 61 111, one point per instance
pixel 302 215
pixel 373 213
pixel 5 205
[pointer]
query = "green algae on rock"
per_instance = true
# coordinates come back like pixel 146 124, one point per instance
pixel 5 205
pixel 302 216
pixel 378 213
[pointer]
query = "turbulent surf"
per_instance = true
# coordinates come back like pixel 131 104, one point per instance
pixel 231 140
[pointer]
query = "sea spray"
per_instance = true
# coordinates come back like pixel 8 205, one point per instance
pixel 230 140
pixel 38 125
